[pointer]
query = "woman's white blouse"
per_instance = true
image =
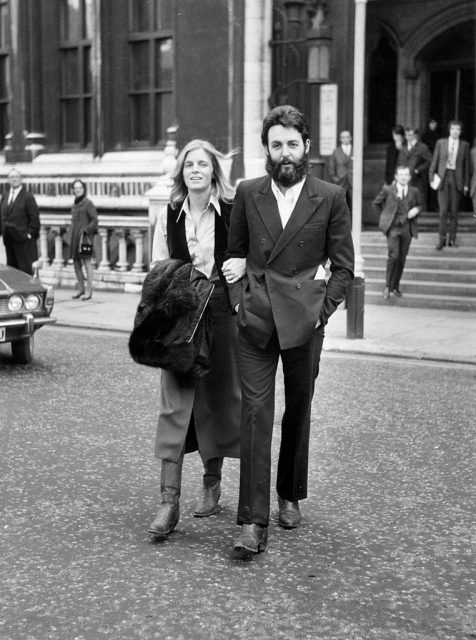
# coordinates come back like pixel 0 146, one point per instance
pixel 199 232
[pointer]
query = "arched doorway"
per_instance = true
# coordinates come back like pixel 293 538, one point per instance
pixel 449 60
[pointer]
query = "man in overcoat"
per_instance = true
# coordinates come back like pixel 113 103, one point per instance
pixel 20 224
pixel 288 225
pixel 450 165
pixel 418 160
pixel 340 165
pixel 398 205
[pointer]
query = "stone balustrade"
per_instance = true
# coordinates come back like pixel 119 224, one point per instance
pixel 121 251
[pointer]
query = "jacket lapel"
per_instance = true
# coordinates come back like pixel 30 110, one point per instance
pixel 305 206
pixel 268 210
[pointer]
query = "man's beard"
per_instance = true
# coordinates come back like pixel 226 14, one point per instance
pixel 290 176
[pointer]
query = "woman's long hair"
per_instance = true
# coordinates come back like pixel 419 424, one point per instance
pixel 221 186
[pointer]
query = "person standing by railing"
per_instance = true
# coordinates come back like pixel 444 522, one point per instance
pixel 84 224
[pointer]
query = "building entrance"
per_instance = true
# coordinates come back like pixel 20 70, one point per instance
pixel 450 61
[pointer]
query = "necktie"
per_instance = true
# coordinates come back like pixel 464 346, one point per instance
pixel 451 154
pixel 11 196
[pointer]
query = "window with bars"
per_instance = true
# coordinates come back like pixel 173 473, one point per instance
pixel 151 70
pixel 4 62
pixel 76 18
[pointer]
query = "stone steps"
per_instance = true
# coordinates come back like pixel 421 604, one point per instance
pixel 432 279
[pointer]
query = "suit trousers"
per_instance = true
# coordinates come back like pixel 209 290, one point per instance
pixel 449 199
pixel 258 374
pixel 21 255
pixel 398 243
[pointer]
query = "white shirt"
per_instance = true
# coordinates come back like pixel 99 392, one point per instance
pixel 402 191
pixel 287 201
pixel 14 191
pixel 347 149
pixel 453 144
pixel 200 236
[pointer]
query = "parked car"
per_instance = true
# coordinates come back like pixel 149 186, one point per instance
pixel 25 306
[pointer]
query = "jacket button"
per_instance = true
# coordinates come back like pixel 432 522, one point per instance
pixel 295 270
pixel 301 243
pixel 263 240
pixel 299 285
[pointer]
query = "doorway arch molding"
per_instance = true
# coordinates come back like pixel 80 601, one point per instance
pixel 434 26
pixel 413 77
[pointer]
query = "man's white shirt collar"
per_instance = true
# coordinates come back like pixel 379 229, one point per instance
pixel 292 193
pixel 287 201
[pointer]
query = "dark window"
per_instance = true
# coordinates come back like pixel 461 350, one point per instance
pixel 4 84
pixel 76 86
pixel 151 70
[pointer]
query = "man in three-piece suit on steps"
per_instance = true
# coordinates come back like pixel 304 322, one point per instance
pixel 287 225
pixel 398 206
pixel 19 224
pixel 450 164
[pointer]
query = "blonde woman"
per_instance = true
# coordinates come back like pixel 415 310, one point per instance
pixel 194 228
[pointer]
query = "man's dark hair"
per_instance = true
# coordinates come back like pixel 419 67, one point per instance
pixel 287 116
pixel 398 129
pixel 457 123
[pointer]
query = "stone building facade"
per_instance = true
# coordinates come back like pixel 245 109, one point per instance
pixel 87 84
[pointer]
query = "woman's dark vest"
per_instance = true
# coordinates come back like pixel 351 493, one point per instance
pixel 177 239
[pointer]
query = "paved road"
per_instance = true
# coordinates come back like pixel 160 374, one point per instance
pixel 384 552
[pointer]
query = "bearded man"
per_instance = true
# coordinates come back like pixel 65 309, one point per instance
pixel 287 225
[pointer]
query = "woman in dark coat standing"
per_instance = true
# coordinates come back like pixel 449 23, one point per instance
pixel 206 416
pixel 84 223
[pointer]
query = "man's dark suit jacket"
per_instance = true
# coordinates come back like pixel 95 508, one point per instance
pixel 418 160
pixel 340 168
pixel 386 205
pixel 21 218
pixel 280 291
pixel 440 158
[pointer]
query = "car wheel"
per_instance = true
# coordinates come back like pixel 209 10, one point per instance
pixel 22 350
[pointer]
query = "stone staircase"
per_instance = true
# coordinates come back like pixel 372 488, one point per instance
pixel 432 279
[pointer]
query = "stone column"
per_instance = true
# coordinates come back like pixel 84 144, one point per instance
pixel 122 264
pixel 58 261
pixel 16 139
pixel 257 81
pixel 104 265
pixel 96 78
pixel 44 245
pixel 138 266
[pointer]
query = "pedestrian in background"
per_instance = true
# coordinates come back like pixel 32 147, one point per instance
pixel 431 134
pixel 395 153
pixel 473 175
pixel 398 205
pixel 20 224
pixel 418 159
pixel 430 137
pixel 287 225
pixel 340 166
pixel 449 176
pixel 193 228
pixel 83 227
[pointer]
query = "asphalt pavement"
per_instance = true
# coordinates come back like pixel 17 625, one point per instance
pixel 385 547
pixel 426 334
